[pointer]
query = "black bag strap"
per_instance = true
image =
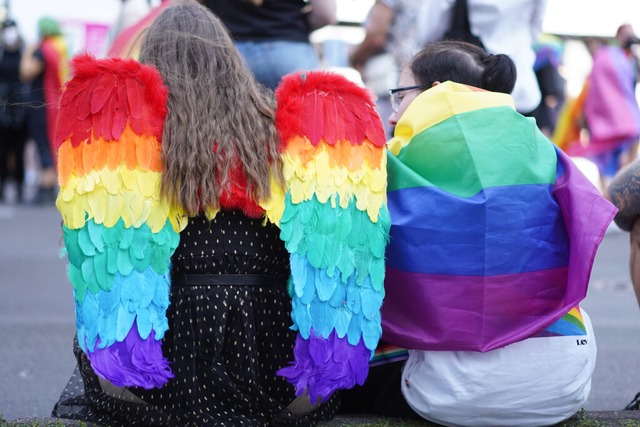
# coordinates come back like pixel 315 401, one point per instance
pixel 460 28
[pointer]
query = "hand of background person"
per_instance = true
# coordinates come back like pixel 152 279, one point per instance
pixel 377 28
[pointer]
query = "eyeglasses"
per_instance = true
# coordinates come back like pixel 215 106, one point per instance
pixel 395 97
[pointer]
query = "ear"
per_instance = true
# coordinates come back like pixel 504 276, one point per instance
pixel 436 83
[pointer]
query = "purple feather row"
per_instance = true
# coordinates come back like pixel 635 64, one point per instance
pixel 132 362
pixel 323 365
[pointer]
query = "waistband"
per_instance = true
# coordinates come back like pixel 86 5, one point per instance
pixel 183 279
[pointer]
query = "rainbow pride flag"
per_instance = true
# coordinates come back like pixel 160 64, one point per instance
pixel 608 105
pixel 388 353
pixel 118 233
pixel 334 222
pixel 566 134
pixel 571 324
pixel 494 230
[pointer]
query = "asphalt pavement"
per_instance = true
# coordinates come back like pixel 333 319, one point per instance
pixel 37 317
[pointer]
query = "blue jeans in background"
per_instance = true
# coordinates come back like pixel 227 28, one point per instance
pixel 271 60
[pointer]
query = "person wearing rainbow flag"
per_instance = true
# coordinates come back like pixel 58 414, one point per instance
pixel 493 235
pixel 44 66
pixel 606 108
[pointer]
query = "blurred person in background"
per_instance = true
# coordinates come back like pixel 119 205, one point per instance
pixel 509 27
pixel 610 111
pixel 569 133
pixel 552 85
pixel 391 38
pixel 127 43
pixel 273 35
pixel 44 66
pixel 13 120
pixel 131 11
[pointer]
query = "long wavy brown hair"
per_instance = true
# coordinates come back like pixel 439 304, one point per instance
pixel 218 117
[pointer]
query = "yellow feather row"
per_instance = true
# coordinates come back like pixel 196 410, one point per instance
pixel 107 195
pixel 274 207
pixel 366 185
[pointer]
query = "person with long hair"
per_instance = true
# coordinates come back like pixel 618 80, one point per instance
pixel 208 234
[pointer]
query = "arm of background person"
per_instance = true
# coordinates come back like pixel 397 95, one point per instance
pixel 322 12
pixel 378 24
pixel 624 193
pixel 30 65
pixel 634 258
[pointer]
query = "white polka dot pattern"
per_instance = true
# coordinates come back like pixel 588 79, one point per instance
pixel 225 342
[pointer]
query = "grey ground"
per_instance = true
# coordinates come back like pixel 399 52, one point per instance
pixel 37 322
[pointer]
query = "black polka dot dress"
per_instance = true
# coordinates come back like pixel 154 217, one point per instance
pixel 225 341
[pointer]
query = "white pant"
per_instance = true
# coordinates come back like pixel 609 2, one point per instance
pixel 535 382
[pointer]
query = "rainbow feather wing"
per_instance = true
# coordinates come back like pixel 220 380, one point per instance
pixel 335 226
pixel 118 233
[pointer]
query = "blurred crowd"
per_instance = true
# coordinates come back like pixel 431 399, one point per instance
pixel 31 78
pixel 599 128
pixel 408 48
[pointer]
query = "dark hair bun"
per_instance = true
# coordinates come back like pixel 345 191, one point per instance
pixel 499 74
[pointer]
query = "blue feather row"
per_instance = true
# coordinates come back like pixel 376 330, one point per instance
pixel 107 316
pixel 325 304
pixel 342 241
pixel 120 277
pixel 97 253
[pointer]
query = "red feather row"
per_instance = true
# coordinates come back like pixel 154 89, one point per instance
pixel 105 94
pixel 326 105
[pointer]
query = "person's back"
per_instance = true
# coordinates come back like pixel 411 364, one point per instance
pixel 268 20
pixel 507 27
pixel 185 316
pixel 273 35
pixel 229 312
pixel 490 249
